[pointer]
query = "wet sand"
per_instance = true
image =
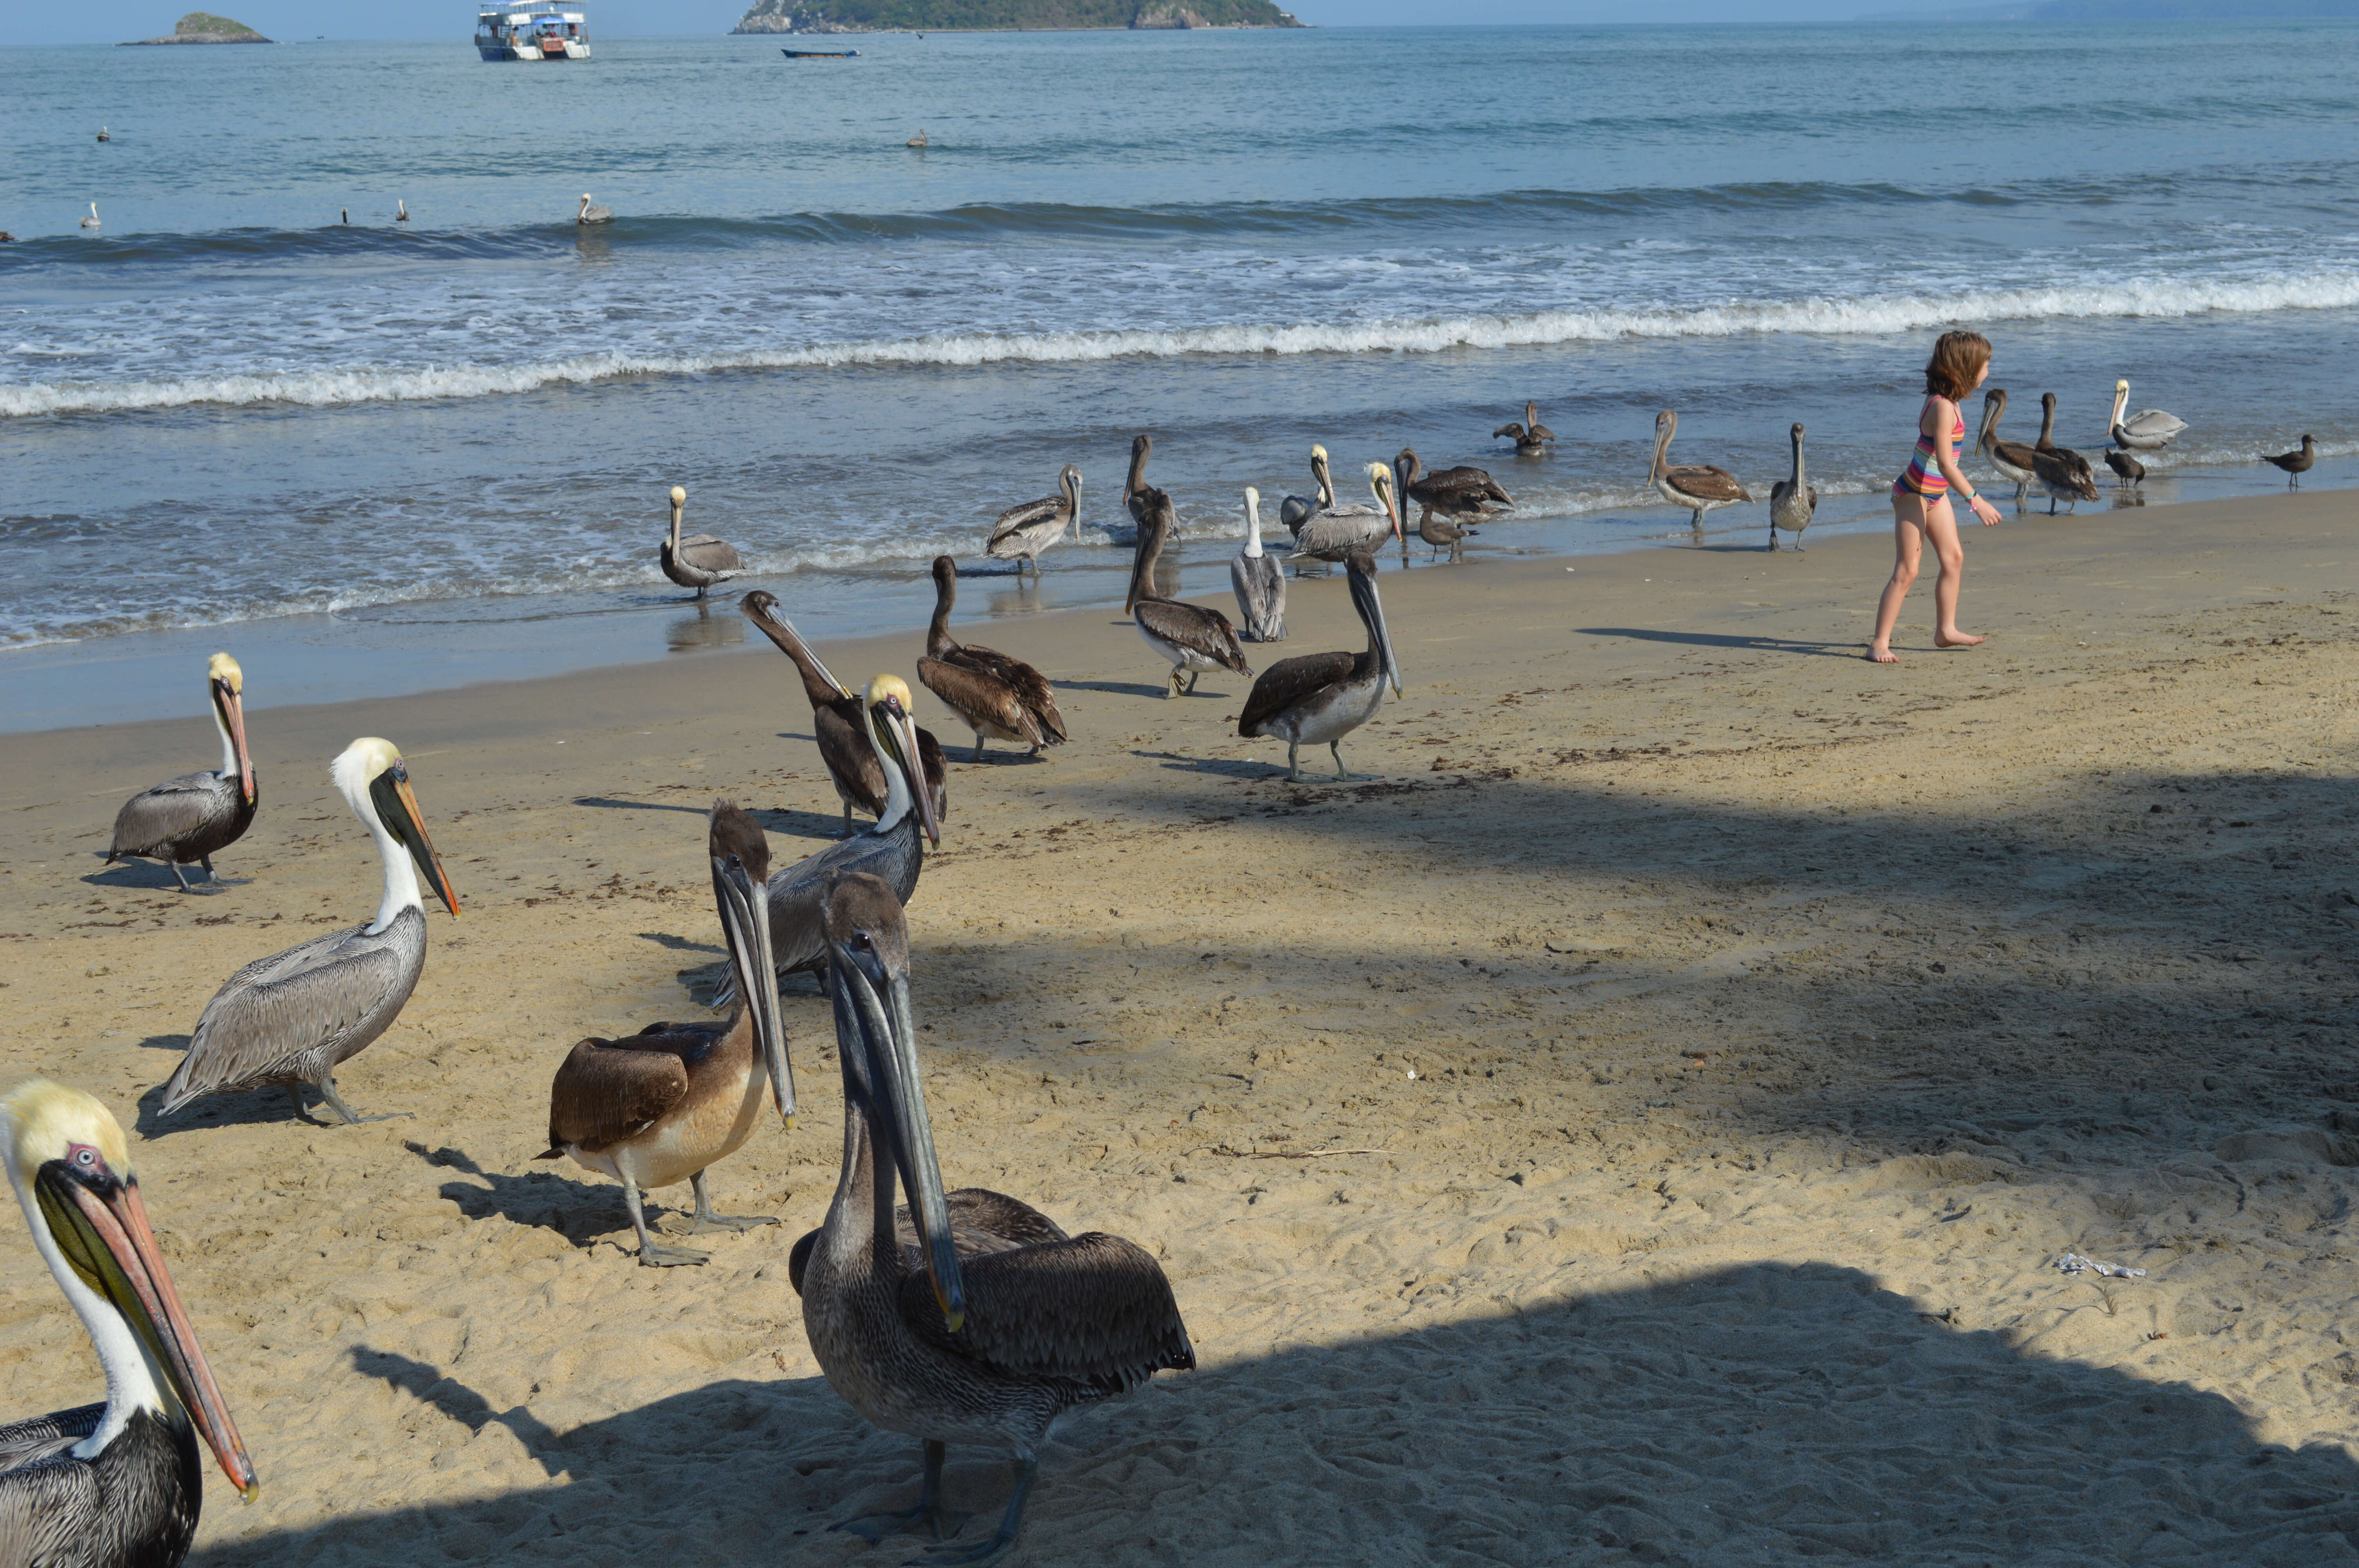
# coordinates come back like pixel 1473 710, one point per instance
pixel 1636 1124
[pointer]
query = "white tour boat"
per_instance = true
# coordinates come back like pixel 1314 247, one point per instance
pixel 532 32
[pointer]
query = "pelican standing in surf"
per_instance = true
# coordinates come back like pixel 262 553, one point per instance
pixel 118 1485
pixel 665 1105
pixel 295 1017
pixel 2012 459
pixel 2148 430
pixel 188 820
pixel 1334 534
pixel 839 723
pixel 697 561
pixel 991 1325
pixel 1322 698
pixel 1193 637
pixel 1258 582
pixel 1137 492
pixel 1531 437
pixel 1699 487
pixel 1462 494
pixel 1296 510
pixel 589 214
pixel 998 697
pixel 2062 472
pixel 1023 532
pixel 1792 501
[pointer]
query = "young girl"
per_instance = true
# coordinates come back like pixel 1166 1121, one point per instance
pixel 1920 496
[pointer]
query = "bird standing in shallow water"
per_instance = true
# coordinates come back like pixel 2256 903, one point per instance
pixel 697 561
pixel 1792 501
pixel 2296 463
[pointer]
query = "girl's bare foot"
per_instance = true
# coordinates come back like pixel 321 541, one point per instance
pixel 1881 656
pixel 1959 640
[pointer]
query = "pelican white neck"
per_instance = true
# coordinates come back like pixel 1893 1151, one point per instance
pixel 353 772
pixel 1252 525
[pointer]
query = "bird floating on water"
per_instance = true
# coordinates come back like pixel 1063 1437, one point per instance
pixel 104 135
pixel 92 222
pixel 1531 437
pixel 2148 430
pixel 400 210
pixel 917 141
pixel 589 214
pixel 185 821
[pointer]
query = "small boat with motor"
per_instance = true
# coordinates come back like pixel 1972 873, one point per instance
pixel 532 32
pixel 821 54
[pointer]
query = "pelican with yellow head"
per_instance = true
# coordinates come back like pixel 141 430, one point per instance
pixel 185 821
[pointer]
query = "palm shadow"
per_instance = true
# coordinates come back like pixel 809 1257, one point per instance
pixel 1762 1411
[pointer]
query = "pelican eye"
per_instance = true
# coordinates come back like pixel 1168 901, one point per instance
pixel 400 771
pixel 85 1159
pixel 860 940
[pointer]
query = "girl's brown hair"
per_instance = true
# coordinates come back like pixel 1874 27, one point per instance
pixel 1957 360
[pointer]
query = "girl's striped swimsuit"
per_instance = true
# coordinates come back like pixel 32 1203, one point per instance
pixel 1923 474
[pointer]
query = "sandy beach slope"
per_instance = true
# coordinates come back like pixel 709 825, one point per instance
pixel 1636 1125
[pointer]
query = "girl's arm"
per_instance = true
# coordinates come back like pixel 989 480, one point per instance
pixel 1944 415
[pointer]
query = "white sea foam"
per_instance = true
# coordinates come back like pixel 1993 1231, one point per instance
pixel 1865 315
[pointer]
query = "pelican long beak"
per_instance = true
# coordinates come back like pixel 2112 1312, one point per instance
pixel 900 733
pixel 1381 481
pixel 745 925
pixel 232 712
pixel 1364 589
pixel 397 807
pixel 100 1225
pixel 1990 427
pixel 772 623
pixel 877 1003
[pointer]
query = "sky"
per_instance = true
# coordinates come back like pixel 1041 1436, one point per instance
pixel 113 21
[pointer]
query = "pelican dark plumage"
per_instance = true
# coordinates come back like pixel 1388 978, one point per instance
pixel 2012 459
pixel 1531 437
pixel 665 1105
pixel 1699 487
pixel 1296 510
pixel 118 1485
pixel 1136 493
pixel 2127 469
pixel 1792 501
pixel 697 561
pixel 104 135
pixel 1462 494
pixel 992 1325
pixel 839 723
pixel 2148 430
pixel 293 1018
pixel 1021 532
pixel 1322 698
pixel 400 210
pixel 1258 582
pixel 188 820
pixel 2295 463
pixel 998 697
pixel 1194 638
pixel 1336 532
pixel 2062 472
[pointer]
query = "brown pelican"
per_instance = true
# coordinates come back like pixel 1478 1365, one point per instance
pixel 1296 510
pixel 2129 470
pixel 1335 533
pixel 1322 698
pixel 119 1483
pixel 293 1018
pixel 2296 464
pixel 92 222
pixel 589 214
pixel 103 135
pixel 400 210
pixel 892 849
pixel 1792 501
pixel 663 1105
pixel 2061 472
pixel 1699 487
pixel 697 561
pixel 1531 437
pixel 991 1325
pixel 1461 493
pixel 1191 637
pixel 1023 532
pixel 185 821
pixel 2011 458
pixel 839 724
pixel 2147 430
pixel 998 697
pixel 1135 490
pixel 917 141
pixel 1258 582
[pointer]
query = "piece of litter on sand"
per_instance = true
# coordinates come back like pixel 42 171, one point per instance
pixel 2073 1264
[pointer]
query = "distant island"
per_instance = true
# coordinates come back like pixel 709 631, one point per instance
pixel 204 27
pixel 1003 15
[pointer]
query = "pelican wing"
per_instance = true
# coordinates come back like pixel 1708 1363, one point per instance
pixel 929 763
pixel 608 1089
pixel 169 813
pixel 976 695
pixel 1287 682
pixel 1461 483
pixel 982 1221
pixel 707 554
pixel 1331 536
pixel 1032 514
pixel 30 1442
pixel 2154 425
pixel 1095 1310
pixel 1031 687
pixel 851 760
pixel 278 1009
pixel 1513 429
pixel 43 1485
pixel 1539 433
pixel 2015 455
pixel 1705 483
pixel 2065 470
pixel 1207 631
pixel 1296 510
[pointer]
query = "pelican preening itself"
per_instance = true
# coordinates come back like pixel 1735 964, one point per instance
pixel 697 561
pixel 1699 487
pixel 839 722
pixel 1460 493
pixel 1322 698
pixel 2149 430
pixel 2012 459
pixel 92 222
pixel 293 1018
pixel 1296 510
pixel 2297 463
pixel 2062 472
pixel 1792 501
pixel 1193 638
pixel 666 1104
pixel 2128 467
pixel 1258 581
pixel 1022 532
pixel 1531 437
pixel 995 1325
pixel 1335 533
pixel 187 820
pixel 999 698
pixel 589 214
pixel 118 1485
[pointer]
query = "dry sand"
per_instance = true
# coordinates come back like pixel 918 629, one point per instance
pixel 1722 1035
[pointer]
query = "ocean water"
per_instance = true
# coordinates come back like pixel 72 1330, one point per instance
pixel 372 457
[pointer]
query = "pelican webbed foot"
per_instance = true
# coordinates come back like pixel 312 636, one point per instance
pixel 653 1254
pixel 929 1514
pixel 1000 1540
pixel 336 1102
pixel 178 875
pixel 708 1220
